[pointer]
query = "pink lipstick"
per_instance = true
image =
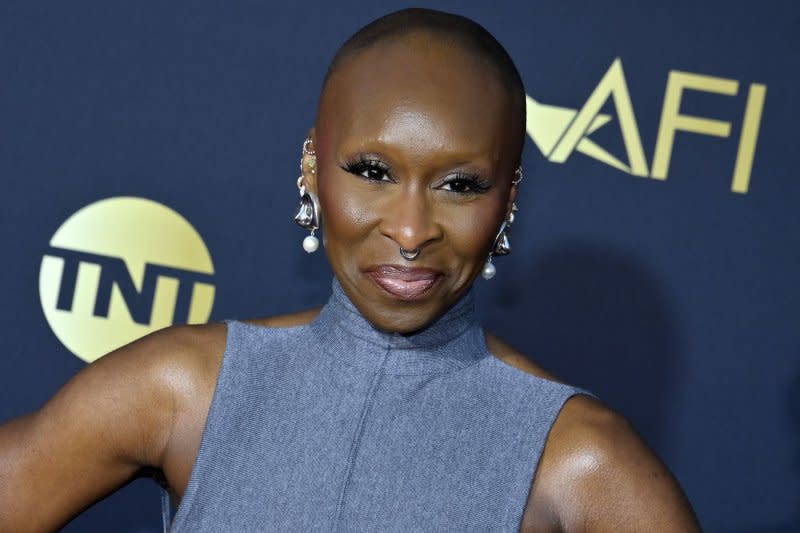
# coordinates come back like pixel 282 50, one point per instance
pixel 402 282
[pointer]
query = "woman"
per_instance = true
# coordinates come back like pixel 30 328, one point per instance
pixel 388 409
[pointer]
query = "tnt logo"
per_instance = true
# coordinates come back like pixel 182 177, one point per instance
pixel 119 269
pixel 559 131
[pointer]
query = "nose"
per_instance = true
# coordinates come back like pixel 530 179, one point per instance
pixel 408 219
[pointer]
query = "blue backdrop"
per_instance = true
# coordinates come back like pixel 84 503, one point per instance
pixel 667 293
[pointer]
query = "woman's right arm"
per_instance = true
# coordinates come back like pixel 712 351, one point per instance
pixel 114 418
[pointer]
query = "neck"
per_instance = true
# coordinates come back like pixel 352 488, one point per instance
pixel 452 341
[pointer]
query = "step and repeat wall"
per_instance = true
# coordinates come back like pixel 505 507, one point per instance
pixel 148 157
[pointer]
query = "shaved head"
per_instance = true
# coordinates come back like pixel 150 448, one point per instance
pixel 448 29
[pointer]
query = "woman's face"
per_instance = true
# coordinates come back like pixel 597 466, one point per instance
pixel 415 149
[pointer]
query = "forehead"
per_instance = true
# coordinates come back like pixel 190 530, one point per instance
pixel 420 91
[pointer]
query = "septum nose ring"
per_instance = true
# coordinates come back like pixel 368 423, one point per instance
pixel 409 255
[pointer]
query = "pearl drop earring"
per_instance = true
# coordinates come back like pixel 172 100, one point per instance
pixel 502 243
pixel 307 215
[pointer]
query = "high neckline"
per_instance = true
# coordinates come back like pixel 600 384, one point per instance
pixel 455 340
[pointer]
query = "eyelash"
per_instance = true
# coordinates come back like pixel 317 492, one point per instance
pixel 360 166
pixel 474 183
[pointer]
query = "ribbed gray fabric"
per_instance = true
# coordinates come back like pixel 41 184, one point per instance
pixel 336 426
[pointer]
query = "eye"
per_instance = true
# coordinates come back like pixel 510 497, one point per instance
pixel 465 184
pixel 369 169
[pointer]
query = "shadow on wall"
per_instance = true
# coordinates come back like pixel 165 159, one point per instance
pixel 792 525
pixel 595 317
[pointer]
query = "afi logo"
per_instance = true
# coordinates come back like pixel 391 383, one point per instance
pixel 559 131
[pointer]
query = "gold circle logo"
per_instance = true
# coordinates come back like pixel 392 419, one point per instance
pixel 121 268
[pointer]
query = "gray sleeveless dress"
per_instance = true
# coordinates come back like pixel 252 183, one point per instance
pixel 336 426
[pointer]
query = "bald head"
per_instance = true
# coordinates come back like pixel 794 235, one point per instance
pixel 444 29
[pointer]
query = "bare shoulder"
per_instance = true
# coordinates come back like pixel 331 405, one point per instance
pixel 180 363
pixel 117 418
pixel 597 474
pixel 181 352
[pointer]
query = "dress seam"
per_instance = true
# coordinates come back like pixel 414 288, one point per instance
pixel 351 459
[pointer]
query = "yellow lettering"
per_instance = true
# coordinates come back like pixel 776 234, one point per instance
pixel 672 120
pixel 612 84
pixel 748 138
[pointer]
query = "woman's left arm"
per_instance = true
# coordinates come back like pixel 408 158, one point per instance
pixel 597 474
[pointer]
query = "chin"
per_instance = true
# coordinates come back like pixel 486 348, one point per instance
pixel 403 308
pixel 395 315
pixel 404 323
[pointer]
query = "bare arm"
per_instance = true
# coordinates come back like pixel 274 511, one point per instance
pixel 116 417
pixel 597 474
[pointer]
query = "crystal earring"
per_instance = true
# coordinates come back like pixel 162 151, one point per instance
pixel 307 216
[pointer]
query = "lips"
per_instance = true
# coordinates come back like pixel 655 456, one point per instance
pixel 403 282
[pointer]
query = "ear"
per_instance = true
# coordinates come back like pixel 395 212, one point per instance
pixel 512 196
pixel 309 162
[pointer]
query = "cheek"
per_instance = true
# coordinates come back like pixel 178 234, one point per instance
pixel 471 229
pixel 346 216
